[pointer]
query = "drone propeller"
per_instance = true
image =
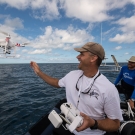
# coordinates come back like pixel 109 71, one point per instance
pixel 25 43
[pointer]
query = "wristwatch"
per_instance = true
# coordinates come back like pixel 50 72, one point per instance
pixel 95 126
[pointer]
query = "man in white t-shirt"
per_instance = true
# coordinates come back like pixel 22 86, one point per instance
pixel 90 91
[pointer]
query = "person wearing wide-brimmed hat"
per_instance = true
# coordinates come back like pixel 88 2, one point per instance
pixel 90 92
pixel 127 78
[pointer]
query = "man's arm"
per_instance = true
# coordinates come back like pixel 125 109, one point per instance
pixel 132 100
pixel 109 124
pixel 118 78
pixel 51 81
pixel 105 124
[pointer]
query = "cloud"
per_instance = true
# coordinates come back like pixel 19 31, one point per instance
pixel 10 24
pixel 4 16
pixel 41 9
pixel 15 23
pixel 48 9
pixel 124 38
pixel 126 30
pixel 19 4
pixel 118 48
pixel 84 10
pixel 17 56
pixel 65 39
pixel 126 53
pixel 41 51
pixel 24 50
pixel 92 10
pixel 2 56
pixel 127 24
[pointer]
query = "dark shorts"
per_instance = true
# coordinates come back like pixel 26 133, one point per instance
pixel 125 89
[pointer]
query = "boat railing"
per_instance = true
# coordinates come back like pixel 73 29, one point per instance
pixel 110 67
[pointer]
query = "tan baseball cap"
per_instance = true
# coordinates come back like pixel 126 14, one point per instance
pixel 94 48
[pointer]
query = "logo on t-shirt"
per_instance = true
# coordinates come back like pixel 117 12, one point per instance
pixel 94 94
pixel 126 75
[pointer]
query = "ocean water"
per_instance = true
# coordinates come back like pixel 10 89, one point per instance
pixel 24 97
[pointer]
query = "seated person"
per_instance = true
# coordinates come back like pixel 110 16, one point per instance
pixel 89 91
pixel 127 78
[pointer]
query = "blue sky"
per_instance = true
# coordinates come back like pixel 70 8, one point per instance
pixel 55 27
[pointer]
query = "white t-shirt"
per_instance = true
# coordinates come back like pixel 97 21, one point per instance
pixel 103 98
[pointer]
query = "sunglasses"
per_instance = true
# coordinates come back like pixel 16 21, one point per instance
pixel 88 89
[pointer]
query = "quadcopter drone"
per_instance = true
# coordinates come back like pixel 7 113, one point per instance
pixel 7 46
